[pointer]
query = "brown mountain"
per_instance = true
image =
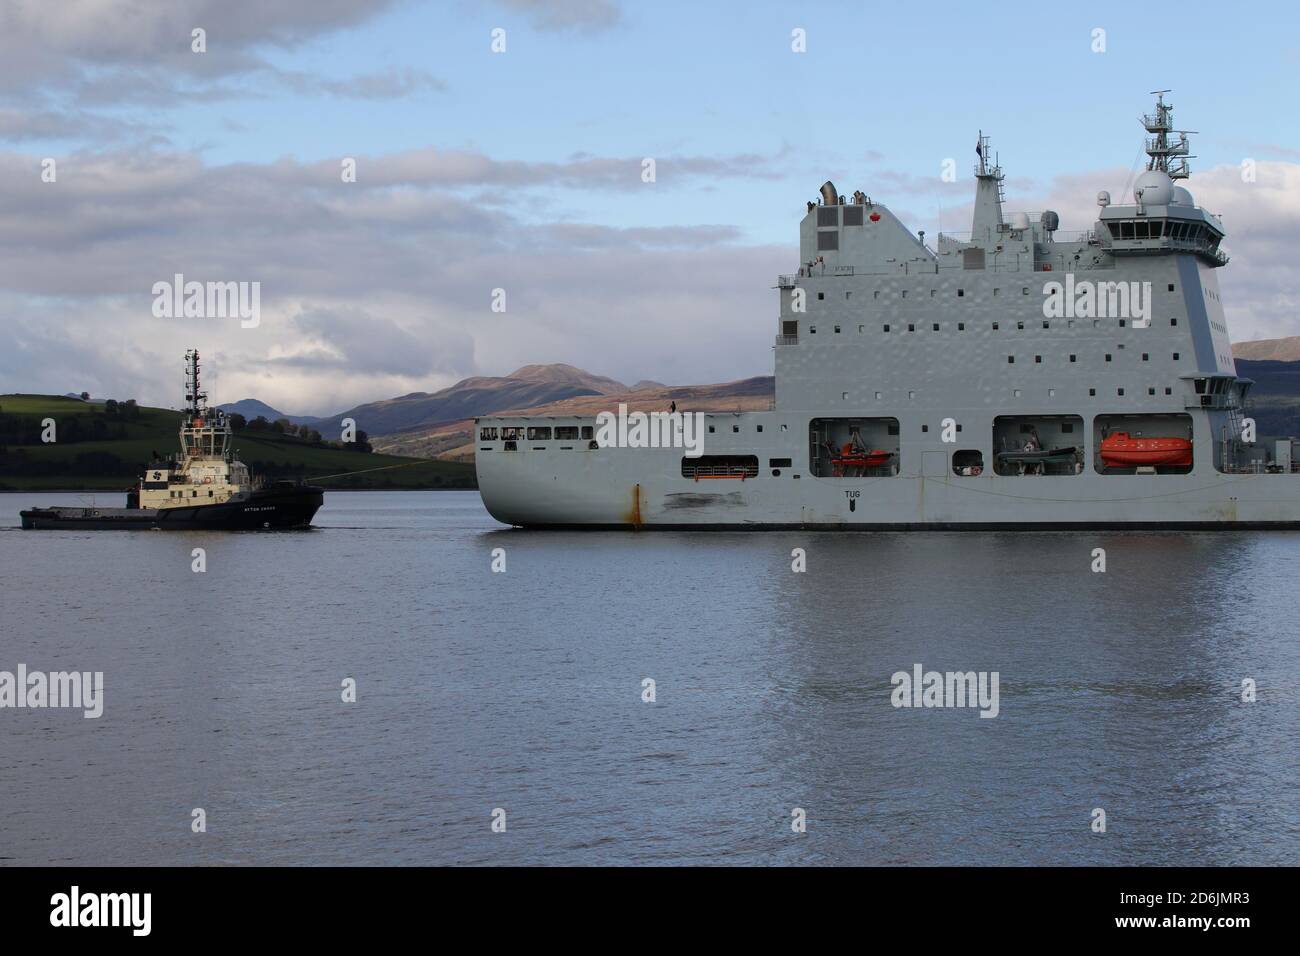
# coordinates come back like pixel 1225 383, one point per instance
pixel 455 440
pixel 480 395
pixel 1269 350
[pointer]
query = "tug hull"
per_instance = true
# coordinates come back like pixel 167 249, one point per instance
pixel 280 507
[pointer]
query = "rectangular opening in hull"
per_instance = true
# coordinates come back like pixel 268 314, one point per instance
pixel 720 466
pixel 853 447
pixel 1143 444
pixel 1038 445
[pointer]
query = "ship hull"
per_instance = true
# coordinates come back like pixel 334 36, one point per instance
pixel 271 508
pixel 611 488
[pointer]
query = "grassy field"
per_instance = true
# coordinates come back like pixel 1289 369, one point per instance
pixel 79 460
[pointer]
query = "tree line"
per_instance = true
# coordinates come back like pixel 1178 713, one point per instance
pixel 282 426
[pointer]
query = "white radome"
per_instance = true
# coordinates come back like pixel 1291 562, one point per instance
pixel 1153 188
pixel 1182 197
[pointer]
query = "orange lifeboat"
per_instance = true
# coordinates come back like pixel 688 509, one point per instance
pixel 851 457
pixel 1121 450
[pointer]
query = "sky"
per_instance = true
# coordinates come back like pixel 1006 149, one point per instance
pixel 520 168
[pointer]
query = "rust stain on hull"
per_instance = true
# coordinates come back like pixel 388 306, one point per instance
pixel 635 516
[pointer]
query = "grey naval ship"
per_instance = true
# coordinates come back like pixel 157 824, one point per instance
pixel 205 488
pixel 1015 378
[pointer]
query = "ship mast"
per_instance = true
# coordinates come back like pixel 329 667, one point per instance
pixel 987 219
pixel 195 397
pixel 204 434
pixel 1170 158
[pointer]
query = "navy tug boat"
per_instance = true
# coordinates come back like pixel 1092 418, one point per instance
pixel 206 488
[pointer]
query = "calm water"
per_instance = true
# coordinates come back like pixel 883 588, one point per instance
pixel 522 691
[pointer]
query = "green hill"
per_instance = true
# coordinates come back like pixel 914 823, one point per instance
pixel 99 447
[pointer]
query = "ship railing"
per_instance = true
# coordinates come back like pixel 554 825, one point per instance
pixel 787 340
pixel 1213 402
pixel 816 272
pixel 719 471
pixel 1179 148
pixel 1200 247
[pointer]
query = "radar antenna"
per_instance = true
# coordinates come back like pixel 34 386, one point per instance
pixel 1168 157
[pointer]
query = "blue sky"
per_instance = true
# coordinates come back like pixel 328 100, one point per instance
pixel 522 170
pixel 720 79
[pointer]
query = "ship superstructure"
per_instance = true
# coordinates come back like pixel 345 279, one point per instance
pixel 206 472
pixel 1016 376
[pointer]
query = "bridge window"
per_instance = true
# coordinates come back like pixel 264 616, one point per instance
pixel 487 434
pixel 539 433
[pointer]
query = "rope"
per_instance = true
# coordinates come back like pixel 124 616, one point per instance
pixel 362 471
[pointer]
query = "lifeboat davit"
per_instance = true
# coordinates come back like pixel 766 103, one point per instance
pixel 1121 450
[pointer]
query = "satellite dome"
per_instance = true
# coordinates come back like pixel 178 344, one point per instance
pixel 1019 221
pixel 1153 188
pixel 1182 197
pixel 1103 198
